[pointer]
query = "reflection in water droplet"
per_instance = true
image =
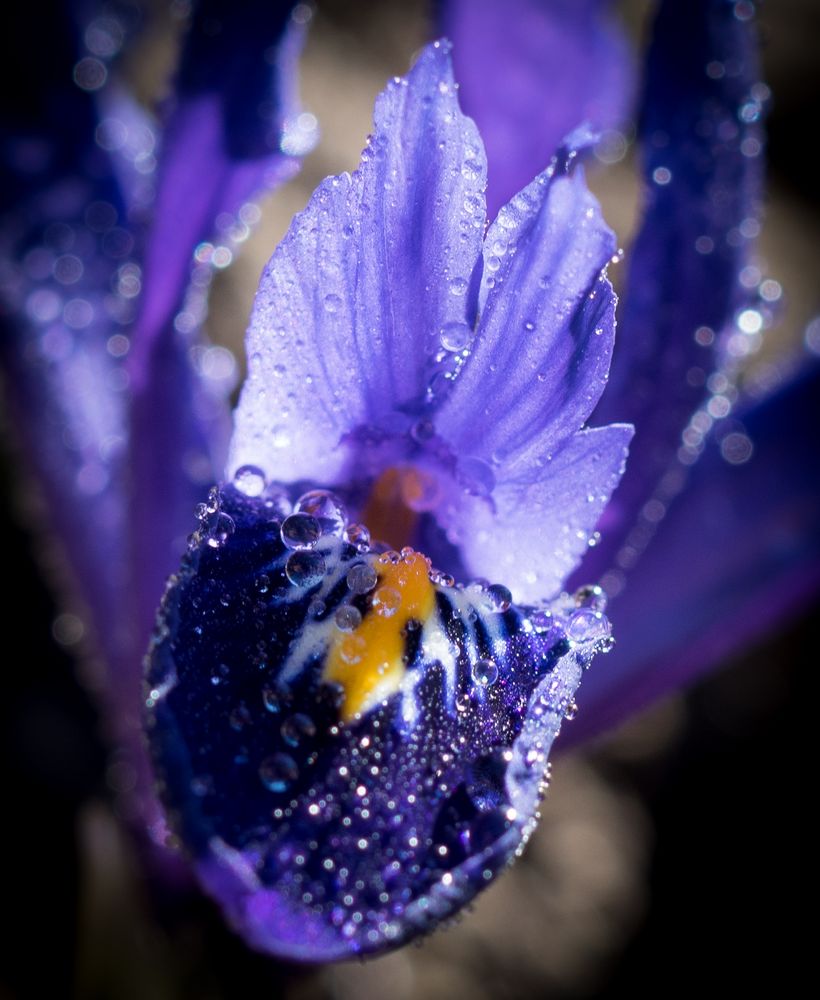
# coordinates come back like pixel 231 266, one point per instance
pixel 326 508
pixel 298 728
pixel 305 569
pixel 249 480
pixel 278 771
pixel 485 672
pixel 347 618
pixel 300 531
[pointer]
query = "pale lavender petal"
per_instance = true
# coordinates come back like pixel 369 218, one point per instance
pixel 533 533
pixel 736 557
pixel 545 335
pixel 529 72
pixel 702 164
pixel 351 306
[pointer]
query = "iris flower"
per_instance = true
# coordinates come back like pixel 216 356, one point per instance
pixel 349 744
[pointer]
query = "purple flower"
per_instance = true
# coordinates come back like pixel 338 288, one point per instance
pixel 351 744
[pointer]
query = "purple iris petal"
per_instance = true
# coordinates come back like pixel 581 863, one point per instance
pixel 702 167
pixel 352 304
pixel 738 552
pixel 529 72
pixel 324 836
pixel 547 325
pixel 538 529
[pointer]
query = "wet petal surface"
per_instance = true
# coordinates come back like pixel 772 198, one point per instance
pixel 348 750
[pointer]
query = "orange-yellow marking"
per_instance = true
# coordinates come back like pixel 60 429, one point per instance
pixel 398 496
pixel 369 662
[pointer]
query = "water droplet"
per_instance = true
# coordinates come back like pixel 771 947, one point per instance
pixel 362 579
pixel 358 536
pixel 455 336
pixel 499 597
pixel 220 528
pixel 587 625
pixel 326 508
pixel 300 531
pixel 347 618
pixel 249 480
pixel 332 303
pixel 352 649
pixel 305 569
pixel 298 728
pixel 485 672
pixel 278 772
pixel 590 597
pixel 386 601
pixel 457 286
pixel 240 717
pixel 271 699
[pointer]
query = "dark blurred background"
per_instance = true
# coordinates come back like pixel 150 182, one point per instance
pixel 671 852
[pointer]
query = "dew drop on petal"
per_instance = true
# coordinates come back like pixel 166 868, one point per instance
pixel 300 531
pixel 305 569
pixel 278 772
pixel 347 618
pixel 298 728
pixel 362 579
pixel 250 480
pixel 485 672
pixel 327 508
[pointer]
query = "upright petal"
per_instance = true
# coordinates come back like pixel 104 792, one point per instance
pixel 352 304
pixel 225 141
pixel 529 72
pixel 535 531
pixel 736 556
pixel 702 167
pixel 547 325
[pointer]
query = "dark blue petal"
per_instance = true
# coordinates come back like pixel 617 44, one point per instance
pixel 65 253
pixel 702 167
pixel 737 555
pixel 222 144
pixel 354 302
pixel 348 751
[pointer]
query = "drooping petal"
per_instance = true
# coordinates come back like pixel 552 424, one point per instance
pixel 534 531
pixel 530 71
pixel 547 325
pixel 352 304
pixel 702 166
pixel 737 555
pixel 347 760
